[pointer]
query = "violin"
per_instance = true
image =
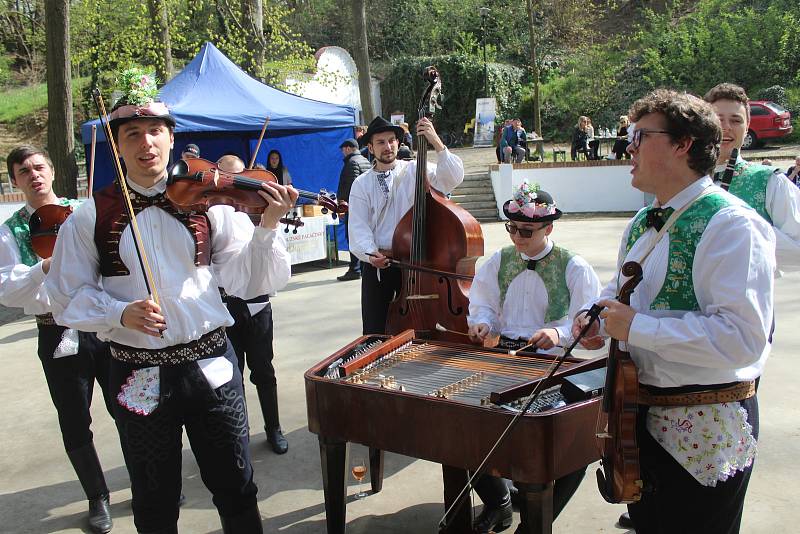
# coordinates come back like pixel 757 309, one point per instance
pixel 620 479
pixel 197 184
pixel 44 225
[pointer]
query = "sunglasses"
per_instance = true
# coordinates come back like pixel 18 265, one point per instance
pixel 523 232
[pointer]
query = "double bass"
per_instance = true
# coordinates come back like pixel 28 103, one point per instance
pixel 437 244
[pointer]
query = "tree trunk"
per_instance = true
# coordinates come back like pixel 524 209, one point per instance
pixel 537 114
pixel 159 15
pixel 361 57
pixel 253 22
pixel 60 135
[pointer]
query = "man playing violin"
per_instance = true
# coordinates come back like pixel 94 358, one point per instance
pixel 527 293
pixel 172 365
pixel 71 360
pixel 251 336
pixel 379 198
pixel 698 323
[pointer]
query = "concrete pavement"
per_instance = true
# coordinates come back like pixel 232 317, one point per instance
pixel 314 316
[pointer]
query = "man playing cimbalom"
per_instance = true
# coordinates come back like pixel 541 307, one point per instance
pixel 699 321
pixel 764 188
pixel 172 366
pixel 71 360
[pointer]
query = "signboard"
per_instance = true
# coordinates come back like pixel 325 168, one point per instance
pixel 397 118
pixel 308 244
pixel 485 114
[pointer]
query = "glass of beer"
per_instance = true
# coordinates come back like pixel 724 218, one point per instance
pixel 359 471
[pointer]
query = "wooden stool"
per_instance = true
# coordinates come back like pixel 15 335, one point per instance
pixel 562 153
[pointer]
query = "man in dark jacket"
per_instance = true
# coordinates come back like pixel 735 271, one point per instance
pixel 354 165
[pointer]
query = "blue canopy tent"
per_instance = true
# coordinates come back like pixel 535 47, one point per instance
pixel 221 109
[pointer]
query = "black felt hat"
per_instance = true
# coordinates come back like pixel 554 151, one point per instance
pixel 531 204
pixel 379 125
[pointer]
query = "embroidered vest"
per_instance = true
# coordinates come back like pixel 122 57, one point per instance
pixel 677 293
pixel 18 224
pixel 553 271
pixel 112 218
pixel 750 184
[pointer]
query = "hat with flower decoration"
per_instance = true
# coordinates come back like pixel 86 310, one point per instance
pixel 138 90
pixel 531 204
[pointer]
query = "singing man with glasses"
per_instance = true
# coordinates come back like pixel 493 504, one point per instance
pixel 698 323
pixel 528 292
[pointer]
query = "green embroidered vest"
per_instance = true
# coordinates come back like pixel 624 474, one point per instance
pixel 553 271
pixel 677 293
pixel 18 224
pixel 750 184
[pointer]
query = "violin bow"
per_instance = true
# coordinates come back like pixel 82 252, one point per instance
pixel 90 185
pixel 258 145
pixel 137 236
pixel 412 267
pixel 593 314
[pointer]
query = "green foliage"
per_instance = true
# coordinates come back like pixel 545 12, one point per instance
pixel 775 93
pixel 462 83
pixel 18 102
pixel 5 70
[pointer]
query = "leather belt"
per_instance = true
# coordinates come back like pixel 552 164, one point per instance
pixel 46 319
pixel 736 392
pixel 209 345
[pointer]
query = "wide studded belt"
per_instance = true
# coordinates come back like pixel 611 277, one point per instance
pixel 735 392
pixel 209 345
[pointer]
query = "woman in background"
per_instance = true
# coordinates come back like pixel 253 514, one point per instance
pixel 275 166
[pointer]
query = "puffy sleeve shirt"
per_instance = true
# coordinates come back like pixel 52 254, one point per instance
pixel 726 339
pixel 522 313
pixel 20 286
pixel 247 261
pixel 376 208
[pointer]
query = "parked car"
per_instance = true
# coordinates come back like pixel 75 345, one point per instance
pixel 768 120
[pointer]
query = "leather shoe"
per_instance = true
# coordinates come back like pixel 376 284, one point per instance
pixel 625 520
pixel 494 519
pixel 349 275
pixel 277 441
pixel 100 515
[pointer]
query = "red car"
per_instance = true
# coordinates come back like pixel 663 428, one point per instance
pixel 768 120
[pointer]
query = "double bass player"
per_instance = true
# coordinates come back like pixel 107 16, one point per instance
pixel 698 323
pixel 379 198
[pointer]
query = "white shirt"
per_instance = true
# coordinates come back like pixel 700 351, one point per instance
pixel 783 207
pixel 373 216
pixel 522 312
pixel 246 261
pixel 726 341
pixel 20 286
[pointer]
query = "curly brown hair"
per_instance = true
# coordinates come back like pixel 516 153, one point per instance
pixel 689 117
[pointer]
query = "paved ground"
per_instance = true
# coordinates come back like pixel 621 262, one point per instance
pixel 314 316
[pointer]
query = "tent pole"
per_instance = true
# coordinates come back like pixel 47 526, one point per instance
pixel 258 145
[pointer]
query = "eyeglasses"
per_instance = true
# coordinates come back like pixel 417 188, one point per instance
pixel 640 133
pixel 523 232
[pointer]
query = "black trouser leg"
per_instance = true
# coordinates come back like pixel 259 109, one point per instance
pixel 678 503
pixel 493 491
pixel 376 296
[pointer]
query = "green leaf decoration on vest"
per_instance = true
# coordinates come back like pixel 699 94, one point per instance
pixel 552 269
pixel 750 184
pixel 18 224
pixel 677 293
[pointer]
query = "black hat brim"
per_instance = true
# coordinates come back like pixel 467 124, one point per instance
pixel 521 217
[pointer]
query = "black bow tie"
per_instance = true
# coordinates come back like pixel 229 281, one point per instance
pixel 656 217
pixel 532 265
pixel 140 201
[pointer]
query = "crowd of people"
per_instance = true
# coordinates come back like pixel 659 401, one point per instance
pixel 167 336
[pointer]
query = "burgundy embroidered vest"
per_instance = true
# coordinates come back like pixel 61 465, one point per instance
pixel 112 218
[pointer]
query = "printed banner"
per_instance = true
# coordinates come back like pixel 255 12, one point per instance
pixel 485 114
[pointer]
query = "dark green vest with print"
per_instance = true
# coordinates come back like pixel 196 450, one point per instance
pixel 677 293
pixel 750 184
pixel 552 269
pixel 18 224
